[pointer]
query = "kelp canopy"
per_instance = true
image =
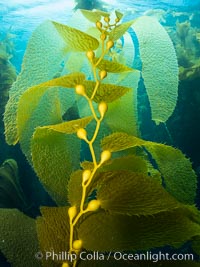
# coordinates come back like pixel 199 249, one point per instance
pixel 7 76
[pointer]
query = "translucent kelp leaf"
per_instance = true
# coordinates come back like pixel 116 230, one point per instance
pixel 122 113
pixel 178 175
pixel 53 234
pixel 55 156
pixel 95 15
pixel 133 193
pixel 18 240
pixel 91 15
pixel 75 39
pixel 118 14
pixel 120 30
pixel 69 127
pixel 127 50
pixel 77 61
pixel 160 73
pixel 107 232
pixel 102 13
pixel 49 110
pixel 120 141
pixel 39 65
pixel 131 162
pixel 67 81
pixel 105 92
pixel 47 102
pixel 111 66
pixel 75 188
pixel 33 95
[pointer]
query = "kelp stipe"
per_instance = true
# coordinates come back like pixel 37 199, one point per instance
pixel 76 212
pixel 116 201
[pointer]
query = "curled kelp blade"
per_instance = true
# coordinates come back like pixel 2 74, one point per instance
pixel 160 72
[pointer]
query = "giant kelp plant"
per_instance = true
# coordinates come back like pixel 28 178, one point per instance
pixel 114 191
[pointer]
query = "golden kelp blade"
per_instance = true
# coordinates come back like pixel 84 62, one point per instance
pixel 131 193
pixel 75 188
pixel 120 30
pixel 94 15
pixel 106 92
pixel 111 66
pixel 108 232
pixel 69 127
pixel 76 40
pixel 53 233
pixel 179 177
pixel 54 156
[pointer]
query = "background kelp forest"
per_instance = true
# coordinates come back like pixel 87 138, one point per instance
pixel 22 186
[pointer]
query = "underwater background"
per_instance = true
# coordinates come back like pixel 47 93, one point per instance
pixel 180 18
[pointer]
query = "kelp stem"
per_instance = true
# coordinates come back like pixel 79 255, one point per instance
pixel 105 154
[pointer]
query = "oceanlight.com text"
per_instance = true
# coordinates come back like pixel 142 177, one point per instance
pixel 98 256
pixel 154 257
